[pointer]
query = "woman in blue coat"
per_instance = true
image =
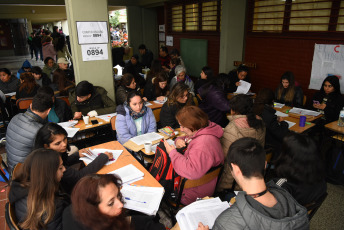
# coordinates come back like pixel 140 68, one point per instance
pixel 134 118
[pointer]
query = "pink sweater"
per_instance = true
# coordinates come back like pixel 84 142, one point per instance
pixel 203 152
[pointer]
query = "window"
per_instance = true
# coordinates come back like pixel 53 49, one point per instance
pixel 280 16
pixel 189 16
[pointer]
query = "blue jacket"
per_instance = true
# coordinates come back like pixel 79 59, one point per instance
pixel 125 125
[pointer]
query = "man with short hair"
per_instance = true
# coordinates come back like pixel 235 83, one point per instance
pixel 146 56
pixel 63 64
pixel 259 205
pixel 89 100
pixel 22 129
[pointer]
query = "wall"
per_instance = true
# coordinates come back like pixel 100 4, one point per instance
pixel 6 42
pixel 274 55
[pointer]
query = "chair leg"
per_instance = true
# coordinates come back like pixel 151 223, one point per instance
pixel 3 175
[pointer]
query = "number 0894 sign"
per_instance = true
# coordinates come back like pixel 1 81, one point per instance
pixel 94 52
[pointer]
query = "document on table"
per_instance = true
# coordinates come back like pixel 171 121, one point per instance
pixel 128 174
pixel 290 124
pixel 148 137
pixel 170 141
pixel 10 94
pixel 278 105
pixel 243 88
pixel 71 131
pixel 148 103
pixel 107 117
pixel 205 211
pixel 68 123
pixel 304 112
pixel 280 114
pixel 142 199
pixel 95 152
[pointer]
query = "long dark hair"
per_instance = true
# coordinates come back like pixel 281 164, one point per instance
pixel 126 80
pixel 38 174
pixel 85 200
pixel 29 82
pixel 290 91
pixel 243 105
pixel 46 134
pixel 265 97
pixel 334 82
pixel 299 161
pixel 220 82
pixel 160 77
pixel 154 69
pixel 60 79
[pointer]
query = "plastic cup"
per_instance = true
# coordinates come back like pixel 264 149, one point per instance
pixel 302 121
pixel 148 147
pixel 86 119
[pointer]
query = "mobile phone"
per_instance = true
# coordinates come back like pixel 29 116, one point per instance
pixel 316 102
pixel 94 122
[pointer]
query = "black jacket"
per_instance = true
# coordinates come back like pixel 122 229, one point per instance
pixel 10 86
pixel 147 59
pixel 233 78
pixel 71 176
pixel 297 101
pixel 18 198
pixel 62 110
pixel 138 222
pixel 25 94
pixel 135 70
pixel 334 105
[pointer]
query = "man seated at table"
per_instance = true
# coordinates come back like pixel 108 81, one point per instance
pixel 22 129
pixel 63 64
pixel 259 205
pixel 146 55
pixel 90 100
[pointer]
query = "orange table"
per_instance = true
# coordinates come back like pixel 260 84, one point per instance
pixel 125 159
pixel 308 118
pixel 333 126
pixel 296 128
pixel 81 124
pixel 155 105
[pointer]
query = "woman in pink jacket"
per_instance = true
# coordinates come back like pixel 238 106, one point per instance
pixel 48 48
pixel 203 152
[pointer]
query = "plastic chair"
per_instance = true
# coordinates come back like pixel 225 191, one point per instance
pixel 2 172
pixel 304 100
pixel 313 207
pixel 24 103
pixel 156 113
pixel 10 217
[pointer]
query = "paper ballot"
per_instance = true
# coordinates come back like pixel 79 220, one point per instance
pixel 243 88
pixel 290 124
pixel 142 199
pixel 128 173
pixel 304 112
pixel 148 137
pixel 278 105
pixel 280 114
pixel 95 152
pixel 68 126
pixel 107 117
pixel 205 211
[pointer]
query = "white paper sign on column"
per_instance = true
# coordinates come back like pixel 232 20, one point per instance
pixel 92 32
pixel 94 52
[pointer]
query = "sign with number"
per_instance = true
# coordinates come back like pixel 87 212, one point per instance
pixel 94 52
pixel 92 32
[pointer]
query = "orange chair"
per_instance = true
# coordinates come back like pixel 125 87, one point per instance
pixel 65 98
pixel 24 103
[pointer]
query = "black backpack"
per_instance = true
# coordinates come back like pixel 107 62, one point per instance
pixel 162 170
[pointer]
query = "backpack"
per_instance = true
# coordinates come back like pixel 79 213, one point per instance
pixel 335 164
pixel 162 170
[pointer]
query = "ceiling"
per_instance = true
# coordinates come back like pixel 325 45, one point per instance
pixel 42 11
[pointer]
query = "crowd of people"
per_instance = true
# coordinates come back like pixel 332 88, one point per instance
pixel 218 132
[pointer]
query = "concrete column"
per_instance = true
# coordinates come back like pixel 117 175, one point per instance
pixel 135 29
pixel 65 28
pixel 232 37
pixel 99 73
pixel 29 27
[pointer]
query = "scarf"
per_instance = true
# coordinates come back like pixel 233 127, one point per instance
pixel 134 114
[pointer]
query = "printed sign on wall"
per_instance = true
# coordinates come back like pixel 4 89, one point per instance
pixel 92 32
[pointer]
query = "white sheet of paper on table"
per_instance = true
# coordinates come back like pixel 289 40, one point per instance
pixel 280 114
pixel 71 131
pixel 148 103
pixel 106 117
pixel 304 112
pixel 96 152
pixel 148 137
pixel 68 123
pixel 290 124
pixel 243 88
pixel 128 173
pixel 278 105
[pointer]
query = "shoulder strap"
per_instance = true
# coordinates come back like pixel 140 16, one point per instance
pixel 281 181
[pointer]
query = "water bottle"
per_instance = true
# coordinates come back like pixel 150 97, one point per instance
pixel 341 118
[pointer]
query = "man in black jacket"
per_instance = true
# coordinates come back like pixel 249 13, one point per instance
pixel 146 55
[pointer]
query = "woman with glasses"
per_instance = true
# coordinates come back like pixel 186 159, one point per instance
pixel 134 118
pixel 177 99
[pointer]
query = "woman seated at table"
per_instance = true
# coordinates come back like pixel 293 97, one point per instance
pixel 329 101
pixel 235 76
pixel 214 100
pixel 206 76
pixel 41 78
pixel 61 83
pixel 38 201
pixel 52 136
pixel 154 70
pixel 157 88
pixel 97 203
pixel 300 169
pixel 203 151
pixel 127 85
pixel 182 77
pixel 242 123
pixel 134 118
pixel 49 67
pixel 276 128
pixel 287 93
pixel 8 83
pixel 174 62
pixel 28 86
pixel 177 99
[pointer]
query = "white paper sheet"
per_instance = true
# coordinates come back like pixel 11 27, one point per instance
pixel 148 137
pixel 71 131
pixel 243 88
pixel 68 123
pixel 278 105
pixel 107 117
pixel 290 124
pixel 280 114
pixel 304 112
pixel 128 173
pixel 148 103
pixel 10 94
pixel 96 152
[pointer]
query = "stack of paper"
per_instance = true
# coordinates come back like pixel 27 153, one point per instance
pixel 128 174
pixel 68 126
pixel 148 137
pixel 304 112
pixel 243 88
pixel 95 152
pixel 107 117
pixel 278 105
pixel 205 211
pixel 142 199
pixel 280 114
